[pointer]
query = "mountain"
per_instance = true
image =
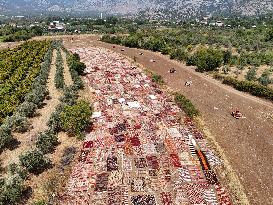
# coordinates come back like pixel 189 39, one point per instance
pixel 149 8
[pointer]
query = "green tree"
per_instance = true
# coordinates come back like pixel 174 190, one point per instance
pixel 269 35
pixel 208 59
pixel 76 117
pixel 34 161
pixel 251 74
pixel 11 190
pixel 46 142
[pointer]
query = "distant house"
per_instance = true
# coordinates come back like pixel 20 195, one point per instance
pixel 219 23
pixel 56 26
pixel 212 23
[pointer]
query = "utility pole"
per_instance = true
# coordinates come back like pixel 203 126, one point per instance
pixel 101 9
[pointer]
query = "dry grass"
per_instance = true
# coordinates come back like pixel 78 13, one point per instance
pixel 67 77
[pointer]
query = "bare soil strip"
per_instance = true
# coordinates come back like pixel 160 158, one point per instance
pixel 67 77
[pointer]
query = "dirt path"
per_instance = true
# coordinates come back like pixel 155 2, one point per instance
pixel 67 76
pixel 38 123
pixel 248 143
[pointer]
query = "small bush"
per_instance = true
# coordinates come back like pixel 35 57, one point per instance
pixel 27 109
pixel 37 95
pixel 186 105
pixel 248 86
pixel 11 190
pixel 40 202
pixel 227 57
pixel 15 169
pixel 20 123
pixel 5 136
pixel 179 54
pixel 157 79
pixel 34 161
pixel 59 76
pixel 75 64
pixel 265 78
pixel 69 96
pixel 54 120
pixel 226 69
pixel 46 142
pixel 251 74
pixel 76 117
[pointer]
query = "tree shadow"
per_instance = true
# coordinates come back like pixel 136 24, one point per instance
pixel 27 193
pixel 89 128
pixel 14 144
pixel 42 105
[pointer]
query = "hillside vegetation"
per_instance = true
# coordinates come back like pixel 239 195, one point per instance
pixel 239 53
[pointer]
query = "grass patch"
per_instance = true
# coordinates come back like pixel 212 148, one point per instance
pixel 157 79
pixel 247 86
pixel 186 105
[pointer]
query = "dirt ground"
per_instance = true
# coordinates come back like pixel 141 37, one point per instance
pixel 247 143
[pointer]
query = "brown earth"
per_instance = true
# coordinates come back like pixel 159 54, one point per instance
pixel 67 77
pixel 247 143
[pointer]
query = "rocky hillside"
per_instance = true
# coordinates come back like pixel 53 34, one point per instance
pixel 151 8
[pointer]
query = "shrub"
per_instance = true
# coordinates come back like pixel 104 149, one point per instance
pixel 15 169
pixel 46 142
pixel 179 54
pixel 251 74
pixel 54 122
pixel 227 57
pixel 37 95
pixel 226 69
pixel 5 136
pixel 157 79
pixel 19 123
pixel 59 76
pixel 75 64
pixel 34 161
pixel 69 96
pixel 186 105
pixel 75 68
pixel 207 59
pixel 248 86
pixel 11 190
pixel 78 83
pixel 40 202
pixel 269 35
pixel 76 117
pixel 27 109
pixel 265 78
